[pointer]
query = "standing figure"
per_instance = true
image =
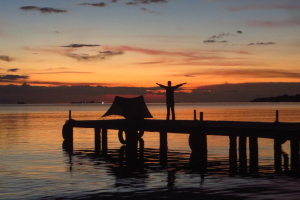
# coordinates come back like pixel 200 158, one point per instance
pixel 170 98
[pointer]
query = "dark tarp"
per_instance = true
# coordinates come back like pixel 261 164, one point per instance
pixel 130 108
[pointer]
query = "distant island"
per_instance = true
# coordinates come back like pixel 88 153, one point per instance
pixel 282 98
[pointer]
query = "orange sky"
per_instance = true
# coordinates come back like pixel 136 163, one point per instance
pixel 118 44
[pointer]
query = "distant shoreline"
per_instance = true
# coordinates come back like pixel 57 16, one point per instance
pixel 282 98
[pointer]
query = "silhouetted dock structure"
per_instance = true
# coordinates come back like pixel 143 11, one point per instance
pixel 238 132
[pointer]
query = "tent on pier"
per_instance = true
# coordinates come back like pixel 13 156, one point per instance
pixel 130 108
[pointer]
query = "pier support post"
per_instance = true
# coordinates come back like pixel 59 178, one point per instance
pixel 201 116
pixel 163 140
pixel 141 149
pixel 294 156
pixel 198 145
pixel 253 146
pixel 243 155
pixel 97 141
pixel 131 148
pixel 163 148
pixel 277 117
pixel 104 141
pixel 232 155
pixel 277 155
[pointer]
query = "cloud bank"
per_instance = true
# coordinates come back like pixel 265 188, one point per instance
pixel 9 77
pixel 262 43
pixel 6 58
pixel 137 2
pixel 249 73
pixel 264 7
pixel 13 70
pixel 217 38
pixel 99 56
pixel 102 4
pixel 81 45
pixel 273 24
pixel 42 9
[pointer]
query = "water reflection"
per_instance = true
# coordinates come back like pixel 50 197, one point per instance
pixel 124 163
pixel 130 171
pixel 153 172
pixel 147 167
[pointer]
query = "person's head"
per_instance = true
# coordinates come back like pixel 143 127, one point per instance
pixel 169 83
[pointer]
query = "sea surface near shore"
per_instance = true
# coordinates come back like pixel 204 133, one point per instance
pixel 35 166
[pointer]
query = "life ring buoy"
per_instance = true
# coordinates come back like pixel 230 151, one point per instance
pixel 67 131
pixel 120 135
pixel 123 141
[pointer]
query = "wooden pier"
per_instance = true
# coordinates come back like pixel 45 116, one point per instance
pixel 198 130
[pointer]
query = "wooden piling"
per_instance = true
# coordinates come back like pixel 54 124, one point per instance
pixel 97 140
pixel 163 148
pixel 198 158
pixel 203 153
pixel 131 147
pixel 294 156
pixel 201 116
pixel 141 148
pixel 70 114
pixel 277 155
pixel 232 155
pixel 163 136
pixel 104 141
pixel 277 117
pixel 195 118
pixel 243 155
pixel 253 147
pixel 285 161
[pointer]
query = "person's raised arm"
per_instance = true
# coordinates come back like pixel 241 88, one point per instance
pixel 161 85
pixel 179 85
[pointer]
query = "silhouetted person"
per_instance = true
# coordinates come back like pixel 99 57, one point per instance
pixel 170 98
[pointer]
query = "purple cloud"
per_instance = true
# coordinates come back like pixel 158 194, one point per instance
pixel 81 45
pixel 13 70
pixel 9 77
pixel 102 4
pixel 262 43
pixel 264 7
pixel 100 56
pixel 209 41
pixel 6 58
pixel 43 9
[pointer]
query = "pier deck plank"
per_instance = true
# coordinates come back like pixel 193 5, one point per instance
pixel 225 128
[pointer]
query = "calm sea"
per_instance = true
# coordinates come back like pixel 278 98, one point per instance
pixel 33 164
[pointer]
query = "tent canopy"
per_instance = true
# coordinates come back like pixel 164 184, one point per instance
pixel 130 108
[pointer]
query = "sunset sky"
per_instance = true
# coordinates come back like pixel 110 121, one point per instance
pixel 137 43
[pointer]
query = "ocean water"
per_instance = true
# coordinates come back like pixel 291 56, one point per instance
pixel 33 164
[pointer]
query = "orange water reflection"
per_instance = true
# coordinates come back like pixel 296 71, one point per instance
pixel 33 164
